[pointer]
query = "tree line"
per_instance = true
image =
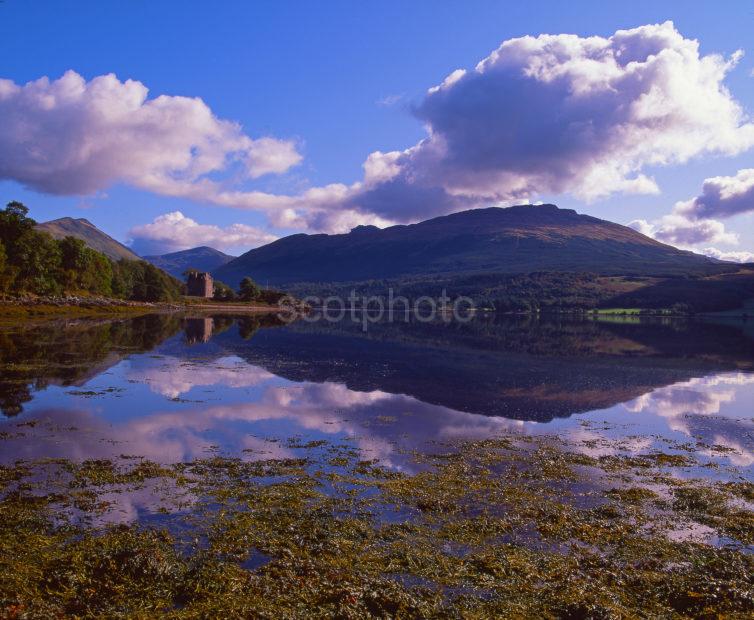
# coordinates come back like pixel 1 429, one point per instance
pixel 248 290
pixel 32 261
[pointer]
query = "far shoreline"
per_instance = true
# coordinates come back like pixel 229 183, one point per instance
pixel 103 307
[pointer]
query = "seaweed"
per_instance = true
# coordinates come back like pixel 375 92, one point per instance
pixel 498 528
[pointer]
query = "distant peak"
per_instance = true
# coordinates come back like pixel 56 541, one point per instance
pixel 80 220
pixel 362 228
pixel 542 208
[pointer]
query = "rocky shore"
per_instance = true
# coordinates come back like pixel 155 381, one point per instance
pixel 74 300
pixel 33 306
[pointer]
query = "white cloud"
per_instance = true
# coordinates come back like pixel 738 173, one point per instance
pixel 643 226
pixel 736 257
pixel 389 100
pixel 690 222
pixel 563 113
pixel 550 114
pixel 722 196
pixel 174 231
pixel 676 229
pixel 70 136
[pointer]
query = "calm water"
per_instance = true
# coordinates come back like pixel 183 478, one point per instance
pixel 171 388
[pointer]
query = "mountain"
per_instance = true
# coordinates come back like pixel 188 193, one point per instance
pixel 202 258
pixel 89 234
pixel 522 239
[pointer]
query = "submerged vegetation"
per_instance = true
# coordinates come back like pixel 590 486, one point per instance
pixel 512 526
pixel 508 527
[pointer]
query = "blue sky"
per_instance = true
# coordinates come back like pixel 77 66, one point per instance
pixel 336 78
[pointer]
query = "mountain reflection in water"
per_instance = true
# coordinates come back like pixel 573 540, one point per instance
pixel 171 388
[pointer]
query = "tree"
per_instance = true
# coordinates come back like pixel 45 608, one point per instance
pixel 248 291
pixel 7 271
pixel 14 224
pixel 2 267
pixel 38 259
pixel 222 292
pixel 73 262
pixel 98 277
pixel 32 261
pixel 142 281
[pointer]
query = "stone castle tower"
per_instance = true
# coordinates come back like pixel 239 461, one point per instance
pixel 199 284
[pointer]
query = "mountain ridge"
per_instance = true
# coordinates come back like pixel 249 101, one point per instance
pixel 519 239
pixel 203 258
pixel 83 229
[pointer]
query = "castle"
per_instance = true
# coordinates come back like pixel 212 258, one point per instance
pixel 199 284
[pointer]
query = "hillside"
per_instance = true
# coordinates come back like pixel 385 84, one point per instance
pixel 515 240
pixel 202 258
pixel 91 235
pixel 37 264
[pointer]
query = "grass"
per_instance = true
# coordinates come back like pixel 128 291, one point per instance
pixel 498 528
pixel 12 312
pixel 618 311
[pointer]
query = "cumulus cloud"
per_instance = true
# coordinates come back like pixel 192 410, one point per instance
pixel 561 113
pixel 722 196
pixel 73 137
pixel 70 136
pixel 549 114
pixel 736 257
pixel 676 229
pixel 174 231
pixel 691 223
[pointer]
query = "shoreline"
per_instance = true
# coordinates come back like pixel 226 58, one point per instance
pixel 100 307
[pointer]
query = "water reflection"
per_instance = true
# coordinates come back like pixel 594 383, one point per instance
pixel 173 377
pixel 715 411
pixel 33 357
pixel 198 330
pixel 172 389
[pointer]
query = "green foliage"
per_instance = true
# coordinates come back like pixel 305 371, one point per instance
pixel 14 225
pixel 248 291
pixel 32 261
pixel 222 292
pixel 142 281
pixel 271 296
pixel 38 259
pixel 83 268
pixel 503 292
pixel 551 291
pixel 2 267
pixel 691 295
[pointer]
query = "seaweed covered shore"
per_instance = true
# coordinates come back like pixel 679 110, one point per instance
pixel 508 527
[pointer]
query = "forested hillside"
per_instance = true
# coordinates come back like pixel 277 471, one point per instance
pixel 33 262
